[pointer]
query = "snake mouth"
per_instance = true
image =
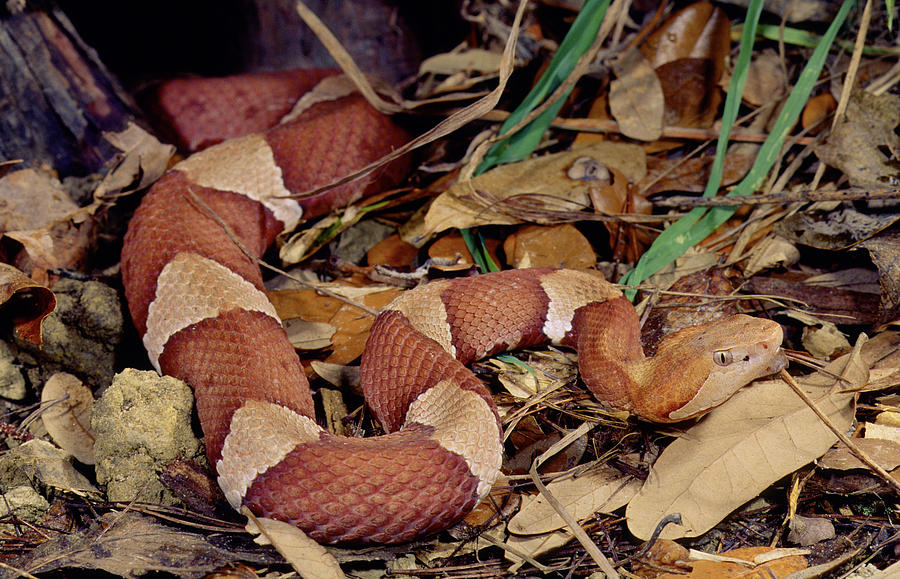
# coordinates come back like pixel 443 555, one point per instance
pixel 778 362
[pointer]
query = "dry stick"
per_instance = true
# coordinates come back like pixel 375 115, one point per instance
pixel 782 197
pixel 857 452
pixel 19 572
pixel 583 538
pixel 849 80
pixel 671 132
pixel 517 552
pixel 261 263
pixel 476 110
pixel 344 60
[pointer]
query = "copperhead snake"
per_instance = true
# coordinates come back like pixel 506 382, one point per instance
pixel 197 300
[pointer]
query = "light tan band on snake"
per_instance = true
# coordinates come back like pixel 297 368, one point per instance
pixel 427 313
pixel 183 298
pixel 262 434
pixel 569 290
pixel 245 166
pixel 462 422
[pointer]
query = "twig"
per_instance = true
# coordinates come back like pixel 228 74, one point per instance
pixel 586 542
pixel 670 132
pixel 780 198
pixel 857 452
pixel 212 214
pixel 476 110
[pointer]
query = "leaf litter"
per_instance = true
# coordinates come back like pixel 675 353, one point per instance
pixel 756 471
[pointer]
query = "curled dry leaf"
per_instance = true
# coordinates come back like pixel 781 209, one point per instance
pixel 471 60
pixel 308 558
pixel 36 211
pixel 761 434
pixel 25 302
pixel 67 415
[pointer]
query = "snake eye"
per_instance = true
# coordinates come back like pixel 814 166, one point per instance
pixel 723 357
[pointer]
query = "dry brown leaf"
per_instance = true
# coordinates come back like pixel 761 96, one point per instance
pixel 766 80
pixel 485 512
pixel 36 211
pixel 858 143
pixel 636 98
pixel 452 246
pixel 33 199
pixel 602 490
pixel 25 302
pixel 392 252
pixel 352 323
pixel 308 558
pixel 67 417
pixel 691 92
pixel 672 174
pixel 763 433
pixel 127 544
pixel 543 182
pixel 471 60
pixel 806 531
pixel 142 161
pixel 697 31
pixel 817 109
pixel 772 251
pixel 664 554
pixel 563 461
pixel 881 431
pixel 306 335
pixel 535 545
pixel 338 375
pixel 549 246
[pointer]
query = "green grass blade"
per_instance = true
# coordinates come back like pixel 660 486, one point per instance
pixel 669 245
pixel 674 241
pixel 475 244
pixel 579 38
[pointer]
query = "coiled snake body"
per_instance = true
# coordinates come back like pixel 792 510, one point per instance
pixel 198 302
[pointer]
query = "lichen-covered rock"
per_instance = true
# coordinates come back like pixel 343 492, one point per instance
pixel 81 335
pixel 22 503
pixel 40 465
pixel 142 423
pixel 12 382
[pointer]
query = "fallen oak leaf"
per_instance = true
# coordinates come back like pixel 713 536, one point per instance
pixel 761 434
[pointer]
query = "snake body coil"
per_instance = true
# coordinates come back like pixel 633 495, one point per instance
pixel 198 302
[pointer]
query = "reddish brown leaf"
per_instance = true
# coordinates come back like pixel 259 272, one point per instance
pixel 27 303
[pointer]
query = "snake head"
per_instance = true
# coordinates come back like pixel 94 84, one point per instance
pixel 712 362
